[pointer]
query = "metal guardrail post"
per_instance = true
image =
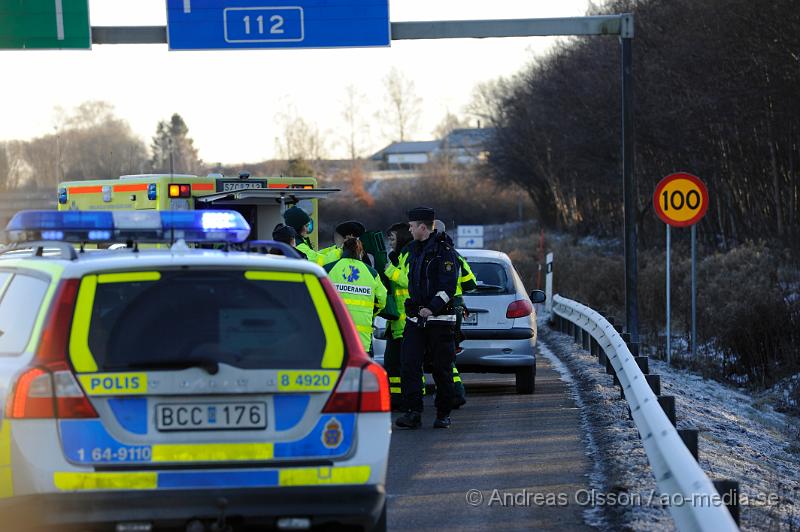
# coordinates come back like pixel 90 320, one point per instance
pixel 729 491
pixel 667 403
pixel 643 363
pixel 654 381
pixel 690 439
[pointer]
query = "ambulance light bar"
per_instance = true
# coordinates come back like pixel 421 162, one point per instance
pixel 121 226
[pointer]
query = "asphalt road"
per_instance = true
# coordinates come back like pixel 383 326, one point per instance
pixel 529 445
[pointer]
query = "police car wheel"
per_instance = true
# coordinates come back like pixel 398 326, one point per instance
pixel 380 526
pixel 526 380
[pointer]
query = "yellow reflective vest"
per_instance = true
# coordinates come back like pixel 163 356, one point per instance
pixel 361 290
pixel 398 277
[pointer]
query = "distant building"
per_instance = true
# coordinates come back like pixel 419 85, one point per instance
pixel 406 155
pixel 465 146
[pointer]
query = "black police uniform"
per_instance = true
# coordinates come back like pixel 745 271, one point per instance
pixel 432 277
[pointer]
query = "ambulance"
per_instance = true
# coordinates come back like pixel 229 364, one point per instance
pixel 260 200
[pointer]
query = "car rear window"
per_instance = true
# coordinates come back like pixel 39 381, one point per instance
pixel 19 307
pixel 187 316
pixel 492 278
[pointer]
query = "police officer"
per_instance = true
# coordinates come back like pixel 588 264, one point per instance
pixel 430 319
pixel 300 221
pixel 466 283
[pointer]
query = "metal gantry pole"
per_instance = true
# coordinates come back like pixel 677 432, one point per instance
pixel 694 291
pixel 629 185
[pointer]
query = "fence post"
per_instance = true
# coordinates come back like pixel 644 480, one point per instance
pixel 689 437
pixel 729 491
pixel 667 403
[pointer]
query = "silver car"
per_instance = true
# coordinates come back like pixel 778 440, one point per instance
pixel 500 330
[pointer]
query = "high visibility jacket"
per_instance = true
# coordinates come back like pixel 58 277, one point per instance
pixel 398 278
pixel 467 282
pixel 362 292
pixel 321 257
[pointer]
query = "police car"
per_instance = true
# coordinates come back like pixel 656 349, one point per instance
pixel 197 389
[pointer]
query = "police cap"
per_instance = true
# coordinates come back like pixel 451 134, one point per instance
pixel 351 227
pixel 284 233
pixel 399 227
pixel 421 214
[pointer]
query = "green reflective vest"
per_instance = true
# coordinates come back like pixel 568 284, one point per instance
pixel 398 277
pixel 321 257
pixel 361 290
pixel 466 279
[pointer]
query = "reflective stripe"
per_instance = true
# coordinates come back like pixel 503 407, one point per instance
pixel 6 478
pixel 443 317
pixel 395 390
pixel 443 295
pixel 357 302
pixel 456 379
pixel 288 277
pixel 401 292
pixel 395 275
pixel 394 379
pixel 131 277
pixel 213 452
pixel 105 481
pixel 324 475
pixel 455 371
pixel 81 356
pixel 334 347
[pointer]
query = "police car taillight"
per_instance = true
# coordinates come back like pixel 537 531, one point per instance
pixel 519 309
pixel 49 389
pixel 363 385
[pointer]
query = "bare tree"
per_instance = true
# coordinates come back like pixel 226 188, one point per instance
pixel 356 126
pixel 301 143
pixel 403 105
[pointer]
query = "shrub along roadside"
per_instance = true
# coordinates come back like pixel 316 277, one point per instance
pixel 748 307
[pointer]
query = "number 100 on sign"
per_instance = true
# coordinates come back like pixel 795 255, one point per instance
pixel 263 24
pixel 681 199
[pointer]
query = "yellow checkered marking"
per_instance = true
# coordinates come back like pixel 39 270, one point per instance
pixel 6 478
pixel 334 345
pixel 79 350
pixel 324 475
pixel 213 452
pixel 105 481
pixel 128 277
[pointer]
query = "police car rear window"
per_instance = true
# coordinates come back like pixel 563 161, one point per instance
pixel 492 278
pixel 201 316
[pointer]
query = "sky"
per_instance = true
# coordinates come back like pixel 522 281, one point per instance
pixel 231 100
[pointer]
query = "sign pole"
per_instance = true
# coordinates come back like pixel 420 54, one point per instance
pixel 548 283
pixel 694 291
pixel 669 343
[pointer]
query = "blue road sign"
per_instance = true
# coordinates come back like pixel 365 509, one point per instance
pixel 236 24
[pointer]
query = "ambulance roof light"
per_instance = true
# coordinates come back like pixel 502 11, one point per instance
pixel 138 226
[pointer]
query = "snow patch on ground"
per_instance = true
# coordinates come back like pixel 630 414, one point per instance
pixel 741 438
pixel 593 516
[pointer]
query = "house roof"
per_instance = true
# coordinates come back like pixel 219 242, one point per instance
pixel 398 148
pixel 468 138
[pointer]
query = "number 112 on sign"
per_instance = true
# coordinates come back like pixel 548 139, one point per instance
pixel 263 24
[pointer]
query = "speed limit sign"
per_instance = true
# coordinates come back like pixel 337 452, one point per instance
pixel 681 199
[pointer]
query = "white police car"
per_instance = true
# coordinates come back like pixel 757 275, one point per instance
pixel 196 389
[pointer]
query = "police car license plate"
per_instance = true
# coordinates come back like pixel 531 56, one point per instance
pixel 211 416
pixel 472 319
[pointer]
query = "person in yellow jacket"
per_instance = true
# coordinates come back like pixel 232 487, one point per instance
pixel 300 221
pixel 396 271
pixel 359 286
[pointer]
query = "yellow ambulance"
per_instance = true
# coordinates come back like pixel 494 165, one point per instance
pixel 261 200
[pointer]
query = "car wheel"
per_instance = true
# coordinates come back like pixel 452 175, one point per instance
pixel 380 526
pixel 526 380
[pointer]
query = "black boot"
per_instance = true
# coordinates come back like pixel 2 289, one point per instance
pixel 442 422
pixel 409 420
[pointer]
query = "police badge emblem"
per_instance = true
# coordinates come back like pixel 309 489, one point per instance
pixel 448 266
pixel 332 435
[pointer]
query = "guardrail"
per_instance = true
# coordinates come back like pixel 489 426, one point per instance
pixel 12 201
pixel 674 466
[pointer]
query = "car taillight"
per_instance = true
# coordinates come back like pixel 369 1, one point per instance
pixel 363 385
pixel 48 389
pixel 179 191
pixel 519 309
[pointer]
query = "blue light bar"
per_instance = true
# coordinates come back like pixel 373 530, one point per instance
pixel 121 226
